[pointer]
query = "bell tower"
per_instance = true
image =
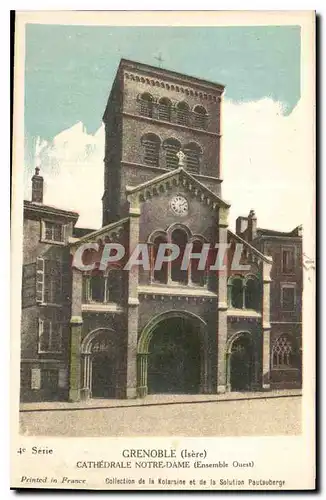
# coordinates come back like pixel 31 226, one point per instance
pixel 155 121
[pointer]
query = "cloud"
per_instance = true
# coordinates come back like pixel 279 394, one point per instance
pixel 264 166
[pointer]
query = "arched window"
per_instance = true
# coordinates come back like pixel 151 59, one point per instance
pixel 282 353
pixel 182 113
pixel 151 144
pixel 160 275
pixel 172 147
pixel 179 238
pixel 146 105
pixel 251 293
pixel 164 109
pixel 235 292
pixel 198 276
pixel 200 117
pixel 193 153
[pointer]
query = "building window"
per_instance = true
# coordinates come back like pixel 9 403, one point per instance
pixel 164 109
pixel 198 276
pixel 53 231
pixel 146 105
pixel 179 238
pixel 287 260
pixel 244 293
pixel 151 144
pixel 52 282
pixel 200 117
pixel 183 113
pixel 251 293
pixel 159 275
pixel 103 288
pixel 235 292
pixel 49 275
pixel 50 335
pixel 193 153
pixel 282 353
pixel 171 147
pixel 288 297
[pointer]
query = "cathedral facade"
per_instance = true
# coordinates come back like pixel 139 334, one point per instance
pixel 128 332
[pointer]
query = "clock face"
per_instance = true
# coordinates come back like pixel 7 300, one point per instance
pixel 179 205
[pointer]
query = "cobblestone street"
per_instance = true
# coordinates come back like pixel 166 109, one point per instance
pixel 250 417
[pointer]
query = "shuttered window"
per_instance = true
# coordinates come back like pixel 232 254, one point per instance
pixel 53 232
pixel 200 117
pixel 164 109
pixel 151 148
pixel 171 147
pixel 182 113
pixel 193 153
pixel 50 334
pixel 146 105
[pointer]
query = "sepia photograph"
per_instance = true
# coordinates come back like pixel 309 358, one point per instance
pixel 166 199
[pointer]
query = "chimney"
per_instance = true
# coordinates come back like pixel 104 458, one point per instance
pixel 37 187
pixel 241 225
pixel 252 226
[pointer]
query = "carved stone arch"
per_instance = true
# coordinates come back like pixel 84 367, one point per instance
pixel 235 336
pixel 157 233
pixel 147 96
pixel 235 296
pixel 198 237
pixel 251 352
pixel 145 339
pixel 148 330
pixel 250 276
pixel 97 345
pixel 178 225
pixel 151 135
pixel 198 108
pixel 91 336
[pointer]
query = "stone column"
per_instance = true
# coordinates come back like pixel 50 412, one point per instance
pixel 132 308
pixel 75 336
pixel 266 325
pixel 75 360
pixel 142 362
pixel 222 306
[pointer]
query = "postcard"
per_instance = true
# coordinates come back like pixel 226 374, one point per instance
pixel 163 251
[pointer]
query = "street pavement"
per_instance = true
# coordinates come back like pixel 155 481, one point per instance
pixel 242 417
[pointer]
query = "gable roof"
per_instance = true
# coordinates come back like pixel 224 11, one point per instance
pixel 31 207
pixel 177 177
pixel 296 232
pixel 103 231
pixel 254 250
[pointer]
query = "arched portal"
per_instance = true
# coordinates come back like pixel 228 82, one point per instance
pixel 240 365
pixel 172 355
pixel 98 352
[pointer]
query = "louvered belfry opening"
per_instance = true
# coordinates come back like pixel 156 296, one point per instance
pixel 183 113
pixel 193 153
pixel 146 105
pixel 164 109
pixel 151 144
pixel 171 147
pixel 200 117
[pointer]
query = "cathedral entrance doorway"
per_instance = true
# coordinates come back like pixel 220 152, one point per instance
pixel 241 363
pixel 172 356
pixel 98 351
pixel 102 376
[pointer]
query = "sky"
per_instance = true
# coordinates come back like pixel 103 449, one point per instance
pixel 69 71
